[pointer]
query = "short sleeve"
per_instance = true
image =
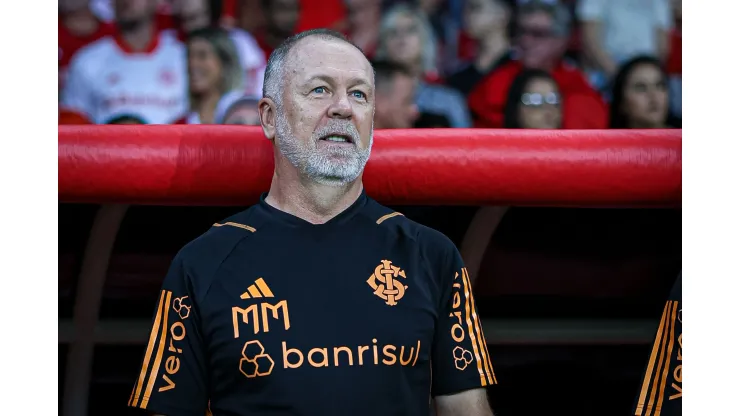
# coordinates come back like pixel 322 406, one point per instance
pixel 173 377
pixel 77 94
pixel 591 9
pixel 460 358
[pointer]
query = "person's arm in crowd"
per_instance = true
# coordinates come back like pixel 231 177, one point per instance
pixel 664 24
pixel 591 14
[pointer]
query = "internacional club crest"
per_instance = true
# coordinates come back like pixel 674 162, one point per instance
pixel 386 284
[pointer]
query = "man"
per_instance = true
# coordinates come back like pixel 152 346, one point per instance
pixel 614 32
pixel 486 21
pixel 317 300
pixel 661 392
pixel 78 27
pixel 542 36
pixel 395 90
pixel 281 19
pixel 139 69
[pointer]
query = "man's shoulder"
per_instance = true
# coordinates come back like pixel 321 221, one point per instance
pixel 95 53
pixel 217 242
pixel 392 221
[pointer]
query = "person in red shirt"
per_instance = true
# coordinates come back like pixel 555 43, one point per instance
pixel 281 20
pixel 78 27
pixel 363 24
pixel 542 36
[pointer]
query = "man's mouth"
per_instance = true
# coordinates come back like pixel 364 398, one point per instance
pixel 337 138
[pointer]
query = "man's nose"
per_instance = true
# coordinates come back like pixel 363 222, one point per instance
pixel 340 107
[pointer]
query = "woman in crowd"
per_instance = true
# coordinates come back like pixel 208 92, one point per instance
pixel 533 102
pixel 213 69
pixel 640 96
pixel 407 39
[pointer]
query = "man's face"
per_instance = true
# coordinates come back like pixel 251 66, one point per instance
pixel 325 125
pixel 537 42
pixel 282 16
pixel 130 12
pixel 194 14
pixel 395 104
pixel 481 17
pixel 403 41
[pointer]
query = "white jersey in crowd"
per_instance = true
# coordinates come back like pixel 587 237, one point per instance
pixel 106 80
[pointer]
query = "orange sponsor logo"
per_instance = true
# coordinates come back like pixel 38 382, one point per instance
pixel 254 361
pixel 386 284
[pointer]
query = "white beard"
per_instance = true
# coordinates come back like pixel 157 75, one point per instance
pixel 317 165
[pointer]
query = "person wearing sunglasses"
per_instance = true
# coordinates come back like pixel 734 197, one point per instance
pixel 533 102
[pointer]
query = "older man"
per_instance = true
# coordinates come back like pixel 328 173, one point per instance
pixel 317 300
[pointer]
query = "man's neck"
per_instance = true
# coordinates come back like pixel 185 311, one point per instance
pixel 140 36
pixel 80 22
pixel 491 48
pixel 307 199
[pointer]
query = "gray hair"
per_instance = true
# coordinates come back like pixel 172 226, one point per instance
pixel 561 17
pixel 272 86
pixel 428 39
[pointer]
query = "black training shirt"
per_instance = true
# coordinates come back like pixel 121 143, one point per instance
pixel 267 314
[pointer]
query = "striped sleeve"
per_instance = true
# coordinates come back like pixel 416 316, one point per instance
pixel 661 389
pixel 460 359
pixel 172 378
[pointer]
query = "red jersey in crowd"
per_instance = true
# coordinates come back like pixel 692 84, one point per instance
pixel 583 107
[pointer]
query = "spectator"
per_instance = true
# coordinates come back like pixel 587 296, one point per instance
pixel 199 14
pixel 139 69
pixel 640 96
pixel 486 22
pixel 614 31
pixel 126 119
pixel 534 102
pixel 406 39
pixel 363 21
pixel 542 36
pixel 673 65
pixel 213 69
pixel 394 97
pixel 446 30
pixel 237 108
pixel 281 19
pixel 77 27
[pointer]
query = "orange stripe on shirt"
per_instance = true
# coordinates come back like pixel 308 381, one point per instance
pixel 470 331
pixel 136 393
pixel 158 360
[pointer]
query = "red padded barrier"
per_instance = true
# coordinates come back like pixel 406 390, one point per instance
pixel 232 165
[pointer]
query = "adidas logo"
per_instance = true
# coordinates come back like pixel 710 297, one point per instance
pixel 258 290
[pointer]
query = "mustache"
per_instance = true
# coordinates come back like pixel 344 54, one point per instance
pixel 335 126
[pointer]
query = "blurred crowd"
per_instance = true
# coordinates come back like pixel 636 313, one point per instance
pixel 571 64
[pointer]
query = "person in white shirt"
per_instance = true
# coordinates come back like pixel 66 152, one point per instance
pixel 615 31
pixel 214 70
pixel 139 70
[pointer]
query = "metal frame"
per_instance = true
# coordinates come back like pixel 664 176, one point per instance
pixel 87 307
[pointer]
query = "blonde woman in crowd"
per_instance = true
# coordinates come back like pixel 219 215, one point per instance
pixel 406 39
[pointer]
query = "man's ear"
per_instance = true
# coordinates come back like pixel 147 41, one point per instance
pixel 268 112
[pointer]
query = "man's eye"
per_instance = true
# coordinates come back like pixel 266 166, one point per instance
pixel 319 90
pixel 359 94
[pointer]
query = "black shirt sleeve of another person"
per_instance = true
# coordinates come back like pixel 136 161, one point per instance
pixel 661 390
pixel 173 376
pixel 460 358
